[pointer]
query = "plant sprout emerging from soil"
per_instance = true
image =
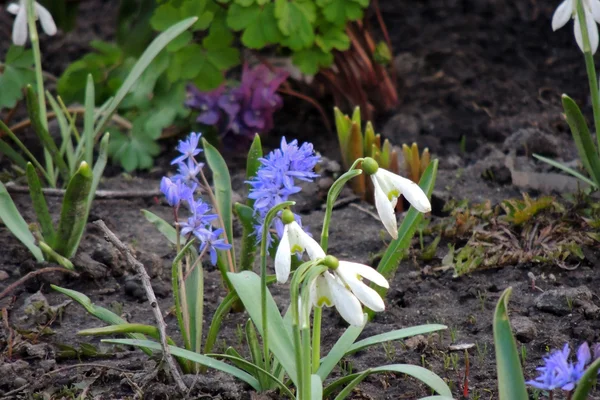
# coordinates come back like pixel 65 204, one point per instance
pixel 240 110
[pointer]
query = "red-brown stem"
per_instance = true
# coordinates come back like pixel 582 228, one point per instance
pixel 291 92
pixel 386 36
pixel 32 274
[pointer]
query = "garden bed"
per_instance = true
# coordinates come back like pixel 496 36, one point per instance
pixel 481 85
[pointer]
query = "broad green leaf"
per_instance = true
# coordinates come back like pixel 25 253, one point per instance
pixel 152 51
pixel 17 72
pixel 101 313
pixel 392 256
pixel 248 251
pixel 134 151
pixel 583 140
pixel 194 357
pixel 311 60
pixel 15 223
pixel 39 205
pixel 424 375
pixel 248 287
pixel 395 335
pixel 222 184
pixel 339 349
pixel 258 23
pixel 339 12
pixel 73 216
pixel 587 382
pixel 316 387
pixel 333 38
pixel 511 383
pixel 295 20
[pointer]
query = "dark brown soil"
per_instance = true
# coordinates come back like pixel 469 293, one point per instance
pixel 489 72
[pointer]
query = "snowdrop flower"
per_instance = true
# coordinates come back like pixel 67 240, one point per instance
pixel 388 187
pixel 591 12
pixel 345 290
pixel 294 240
pixel 19 33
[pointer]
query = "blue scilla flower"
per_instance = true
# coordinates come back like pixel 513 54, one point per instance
pixel 188 148
pixel 275 180
pixel 188 171
pixel 559 372
pixel 176 191
pixel 211 242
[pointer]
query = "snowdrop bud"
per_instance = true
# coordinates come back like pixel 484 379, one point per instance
pixel 331 262
pixel 287 217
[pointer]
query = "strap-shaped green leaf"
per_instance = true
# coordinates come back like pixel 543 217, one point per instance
pixel 73 216
pixel 587 382
pixel 511 383
pixel 16 224
pixel 395 335
pixel 339 349
pixel 88 120
pixel 248 252
pixel 39 205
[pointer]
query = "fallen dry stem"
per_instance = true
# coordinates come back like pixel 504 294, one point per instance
pixel 30 275
pixel 100 194
pixel 145 278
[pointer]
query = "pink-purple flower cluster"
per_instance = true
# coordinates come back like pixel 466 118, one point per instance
pixel 276 179
pixel 181 188
pixel 242 110
pixel 558 372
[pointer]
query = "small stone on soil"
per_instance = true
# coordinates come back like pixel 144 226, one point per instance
pixel 4 276
pixel 524 328
pixel 563 301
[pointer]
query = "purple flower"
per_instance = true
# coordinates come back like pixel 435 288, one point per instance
pixel 210 241
pixel 275 180
pixel 205 102
pixel 171 191
pixel 188 148
pixel 559 372
pixel 188 171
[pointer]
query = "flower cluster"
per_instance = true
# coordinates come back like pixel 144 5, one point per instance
pixel 591 15
pixel 559 372
pixel 181 189
pixel 20 29
pixel 243 110
pixel 276 179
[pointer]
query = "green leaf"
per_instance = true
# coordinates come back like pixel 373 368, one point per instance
pixel 311 60
pixel 511 383
pixel 12 154
pixel 163 226
pixel 295 20
pixel 222 184
pixel 217 319
pixel 392 256
pixel 88 121
pixel 333 38
pixel 258 23
pixel 316 387
pixel 338 350
pixel 424 375
pixel 194 357
pixel 583 140
pixel 253 163
pixel 151 52
pixel 73 216
pixel 566 169
pixel 247 254
pixel 587 382
pixel 16 73
pixel 98 171
pixel 247 286
pixel 396 334
pixel 134 151
pixel 101 313
pixel 16 224
pixel 39 205
pixel 341 11
pixel 148 330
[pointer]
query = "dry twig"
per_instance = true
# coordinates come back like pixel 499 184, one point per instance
pixel 162 328
pixel 30 275
pixel 100 194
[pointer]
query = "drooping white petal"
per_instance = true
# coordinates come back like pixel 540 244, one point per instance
pixel 46 19
pixel 410 190
pixel 594 6
pixel 283 257
pixel 385 209
pixel 303 241
pixel 345 302
pixel 320 295
pixel 13 8
pixel 365 294
pixel 19 33
pixel 365 271
pixel 592 31
pixel 313 249
pixel 562 14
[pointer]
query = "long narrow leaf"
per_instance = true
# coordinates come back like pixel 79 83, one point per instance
pixel 583 140
pixel 88 120
pixel 26 151
pixel 73 216
pixel 424 375
pixel 98 171
pixel 587 382
pixel 566 169
pixel 217 319
pixel 66 147
pixel 395 335
pixel 12 154
pixel 39 205
pixel 338 350
pixel 511 383
pixel 99 312
pixel 222 183
pixel 140 66
pixel 345 392
pixel 194 357
pixel 253 162
pixel 248 252
pixel 316 387
pixel 247 286
pixel 16 224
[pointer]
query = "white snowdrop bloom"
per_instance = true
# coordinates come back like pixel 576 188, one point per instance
pixel 568 9
pixel 293 240
pixel 388 188
pixel 20 29
pixel 345 290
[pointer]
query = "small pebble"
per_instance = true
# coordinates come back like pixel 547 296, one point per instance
pixel 4 276
pixel 18 382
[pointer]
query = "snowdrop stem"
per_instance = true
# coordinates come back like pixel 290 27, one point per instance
pixel 39 81
pixel 591 69
pixel 316 339
pixel 332 196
